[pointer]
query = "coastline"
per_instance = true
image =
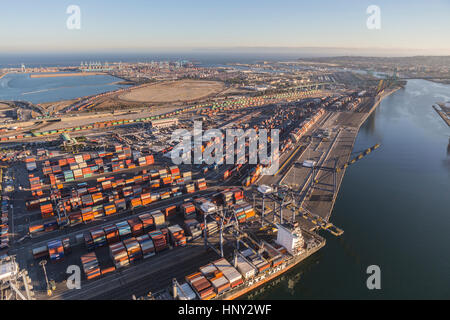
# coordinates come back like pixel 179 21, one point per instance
pixel 440 81
pixel 378 100
pixel 442 114
pixel 235 295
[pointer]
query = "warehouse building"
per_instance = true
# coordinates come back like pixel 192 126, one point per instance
pixel 164 123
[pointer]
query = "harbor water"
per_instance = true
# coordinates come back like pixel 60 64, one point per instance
pixel 394 206
pixel 20 87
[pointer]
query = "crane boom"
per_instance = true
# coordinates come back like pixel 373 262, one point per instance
pixel 358 157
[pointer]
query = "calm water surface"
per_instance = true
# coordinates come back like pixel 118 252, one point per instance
pixel 394 206
pixel 19 86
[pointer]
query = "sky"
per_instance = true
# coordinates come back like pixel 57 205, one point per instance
pixel 407 27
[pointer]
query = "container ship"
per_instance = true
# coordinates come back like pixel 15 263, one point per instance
pixel 255 264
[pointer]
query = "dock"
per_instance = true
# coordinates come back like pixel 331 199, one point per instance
pixel 327 139
pixel 316 200
pixel 443 112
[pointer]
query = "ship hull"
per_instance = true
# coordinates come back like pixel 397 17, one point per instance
pixel 272 274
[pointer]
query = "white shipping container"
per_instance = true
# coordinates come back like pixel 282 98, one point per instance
pixel 245 268
pixel 217 283
pixel 228 270
pixel 208 269
pixel 187 174
pixel 158 217
pixel 82 165
pixel 79 158
pixel 31 166
pixel 175 228
pixel 185 292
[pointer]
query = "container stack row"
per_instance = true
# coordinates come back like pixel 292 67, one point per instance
pixel 90 265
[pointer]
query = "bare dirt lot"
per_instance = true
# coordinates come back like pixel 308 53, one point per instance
pixel 173 91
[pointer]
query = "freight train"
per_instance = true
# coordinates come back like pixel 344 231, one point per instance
pixel 216 107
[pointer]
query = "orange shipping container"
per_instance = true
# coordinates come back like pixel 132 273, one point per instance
pixel 171 211
pixel 110 209
pixel 88 216
pixel 136 203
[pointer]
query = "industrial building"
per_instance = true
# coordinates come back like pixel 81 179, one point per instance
pixel 164 123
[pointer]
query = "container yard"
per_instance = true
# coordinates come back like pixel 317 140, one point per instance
pixel 261 154
pixel 106 196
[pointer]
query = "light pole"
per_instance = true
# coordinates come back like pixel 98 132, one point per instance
pixel 264 190
pixel 43 263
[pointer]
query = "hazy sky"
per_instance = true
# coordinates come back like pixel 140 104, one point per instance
pixel 133 25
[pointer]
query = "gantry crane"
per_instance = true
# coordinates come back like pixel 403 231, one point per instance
pixel 227 218
pixel 298 209
pixel 314 181
pixel 15 284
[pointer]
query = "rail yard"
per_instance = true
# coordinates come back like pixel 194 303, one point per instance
pixel 100 191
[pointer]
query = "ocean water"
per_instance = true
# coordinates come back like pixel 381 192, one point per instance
pixel 20 87
pixel 203 57
pixel 40 90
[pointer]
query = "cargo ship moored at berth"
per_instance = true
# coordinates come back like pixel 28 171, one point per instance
pixel 247 269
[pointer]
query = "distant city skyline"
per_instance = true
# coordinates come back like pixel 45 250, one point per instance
pixel 407 28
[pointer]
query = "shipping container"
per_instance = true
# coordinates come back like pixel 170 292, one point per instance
pixel 147 246
pixel 90 265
